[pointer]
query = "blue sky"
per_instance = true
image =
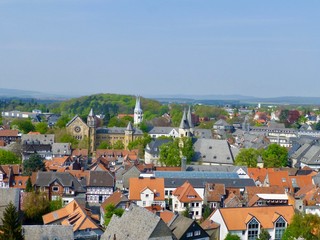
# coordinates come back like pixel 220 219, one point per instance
pixel 151 47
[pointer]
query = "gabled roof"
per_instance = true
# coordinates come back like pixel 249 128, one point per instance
pixel 73 119
pixel 8 195
pixel 137 223
pixel 59 232
pixel 264 215
pixel 184 124
pixel 137 185
pixel 214 192
pixel 186 193
pixel 116 198
pixel 73 214
pixel 9 133
pixel 251 191
pixel 100 179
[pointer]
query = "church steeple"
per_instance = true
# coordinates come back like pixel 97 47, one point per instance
pixel 189 117
pixel 184 128
pixel 138 113
pixel 92 124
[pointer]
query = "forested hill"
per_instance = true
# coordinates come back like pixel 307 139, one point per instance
pixel 107 104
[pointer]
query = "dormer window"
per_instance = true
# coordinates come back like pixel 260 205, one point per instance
pixel 280 227
pixel 253 229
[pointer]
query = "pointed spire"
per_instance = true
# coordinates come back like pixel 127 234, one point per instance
pixel 91 114
pixel 129 127
pixel 184 121
pixel 138 105
pixel 189 117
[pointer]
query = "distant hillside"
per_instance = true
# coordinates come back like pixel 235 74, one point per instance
pixel 16 93
pixel 107 104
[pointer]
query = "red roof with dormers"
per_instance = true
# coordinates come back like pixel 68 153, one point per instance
pixel 186 193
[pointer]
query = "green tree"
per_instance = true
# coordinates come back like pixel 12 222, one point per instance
pixel 275 156
pixel 36 204
pixel 110 210
pixel 62 121
pixel 55 204
pixel 317 126
pixel 264 235
pixel 170 154
pixel 118 145
pixel 104 145
pixel 140 144
pixel 206 212
pixel 33 164
pixel 8 157
pixel 247 157
pixel 186 148
pixel 232 237
pixel 12 227
pixel 41 127
pixel 29 187
pixel 24 125
pixel 306 226
pixel 186 212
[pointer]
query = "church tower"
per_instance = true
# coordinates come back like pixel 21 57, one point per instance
pixel 92 124
pixel 138 113
pixel 128 135
pixel 189 118
pixel 184 128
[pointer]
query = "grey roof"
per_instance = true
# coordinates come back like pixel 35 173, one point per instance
pixel 312 155
pixel 44 179
pixel 37 139
pixel 213 151
pixel 215 168
pixel 74 118
pixel 195 174
pixel 48 232
pixel 129 127
pixel 221 122
pixel 161 130
pixel 91 114
pixel 137 107
pixel 202 133
pixel 137 223
pixel 100 179
pixel 117 130
pixel 200 183
pixel 61 149
pixel 189 118
pixel 184 124
pixel 153 146
pixel 8 195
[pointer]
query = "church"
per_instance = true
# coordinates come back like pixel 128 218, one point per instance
pixel 96 135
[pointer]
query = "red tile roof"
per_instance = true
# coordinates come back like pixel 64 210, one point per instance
pixel 186 193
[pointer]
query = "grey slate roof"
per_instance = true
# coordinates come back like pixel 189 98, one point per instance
pixel 184 124
pixel 8 195
pixel 215 168
pixel 100 179
pixel 117 130
pixel 161 130
pixel 153 146
pixel 44 179
pixel 213 151
pixel 137 223
pixel 312 155
pixel 48 232
pixel 61 149
pixel 202 133
pixel 37 139
pixel 200 183
pixel 195 174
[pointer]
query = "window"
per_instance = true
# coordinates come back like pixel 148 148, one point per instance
pixel 279 228
pixel 197 204
pixel 55 189
pixel 189 234
pixel 253 229
pixel 197 233
pixel 147 195
pixel 166 192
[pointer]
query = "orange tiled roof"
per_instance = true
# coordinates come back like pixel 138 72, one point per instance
pixel 279 178
pixel 258 174
pixel 20 182
pixel 168 168
pixel 9 133
pixel 115 199
pixel 34 133
pixel 166 216
pixel 251 191
pixel 265 215
pixel 214 191
pixel 80 152
pixel 72 214
pixel 137 185
pixel 186 193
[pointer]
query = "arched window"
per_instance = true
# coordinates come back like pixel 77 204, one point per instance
pixel 280 227
pixel 253 229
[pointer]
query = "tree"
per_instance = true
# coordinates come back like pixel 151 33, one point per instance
pixel 247 157
pixel 33 164
pixel 29 187
pixel 317 126
pixel 186 148
pixel 62 121
pixel 36 204
pixel 55 204
pixel 118 145
pixel 110 210
pixel 170 154
pixel 140 144
pixel 24 125
pixel 275 156
pixel 104 145
pixel 206 212
pixel 186 212
pixel 232 237
pixel 41 127
pixel 12 227
pixel 306 226
pixel 8 157
pixel 264 235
